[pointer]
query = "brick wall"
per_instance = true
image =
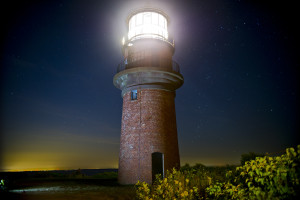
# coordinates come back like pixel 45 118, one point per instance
pixel 148 125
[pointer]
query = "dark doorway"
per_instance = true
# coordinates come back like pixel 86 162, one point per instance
pixel 157 164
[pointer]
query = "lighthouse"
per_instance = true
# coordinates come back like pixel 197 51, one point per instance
pixel 148 78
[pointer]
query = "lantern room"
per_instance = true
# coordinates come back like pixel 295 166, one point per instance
pixel 148 43
pixel 147 25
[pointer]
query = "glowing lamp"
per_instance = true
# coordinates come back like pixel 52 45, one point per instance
pixel 147 24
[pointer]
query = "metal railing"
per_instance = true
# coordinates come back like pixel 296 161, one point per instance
pixel 151 36
pixel 163 63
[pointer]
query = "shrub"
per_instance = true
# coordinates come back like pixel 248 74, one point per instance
pixel 2 185
pixel 262 178
pixel 106 175
pixel 176 185
pixel 249 156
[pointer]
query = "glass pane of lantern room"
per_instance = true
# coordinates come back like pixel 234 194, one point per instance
pixel 132 23
pixel 139 19
pixel 154 18
pixel 147 18
pixel 155 30
pixel 161 21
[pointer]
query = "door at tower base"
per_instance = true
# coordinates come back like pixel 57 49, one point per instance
pixel 157 164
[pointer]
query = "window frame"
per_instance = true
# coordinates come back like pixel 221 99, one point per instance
pixel 133 95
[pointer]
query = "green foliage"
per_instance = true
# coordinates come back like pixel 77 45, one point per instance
pixel 176 185
pixel 249 156
pixel 217 173
pixel 106 175
pixel 262 178
pixel 77 174
pixel 2 185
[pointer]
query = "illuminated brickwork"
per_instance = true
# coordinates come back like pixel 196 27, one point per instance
pixel 148 125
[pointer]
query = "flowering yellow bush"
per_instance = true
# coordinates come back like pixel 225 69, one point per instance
pixel 176 185
pixel 263 178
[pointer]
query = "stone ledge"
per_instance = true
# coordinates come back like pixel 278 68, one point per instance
pixel 147 77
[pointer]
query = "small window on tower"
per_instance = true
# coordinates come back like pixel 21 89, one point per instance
pixel 133 94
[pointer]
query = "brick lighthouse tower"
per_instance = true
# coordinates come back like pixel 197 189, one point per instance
pixel 148 78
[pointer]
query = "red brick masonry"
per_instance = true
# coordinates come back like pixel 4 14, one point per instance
pixel 148 125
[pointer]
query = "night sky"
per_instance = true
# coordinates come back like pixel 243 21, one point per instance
pixel 60 110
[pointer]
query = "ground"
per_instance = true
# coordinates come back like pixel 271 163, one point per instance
pixel 64 189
